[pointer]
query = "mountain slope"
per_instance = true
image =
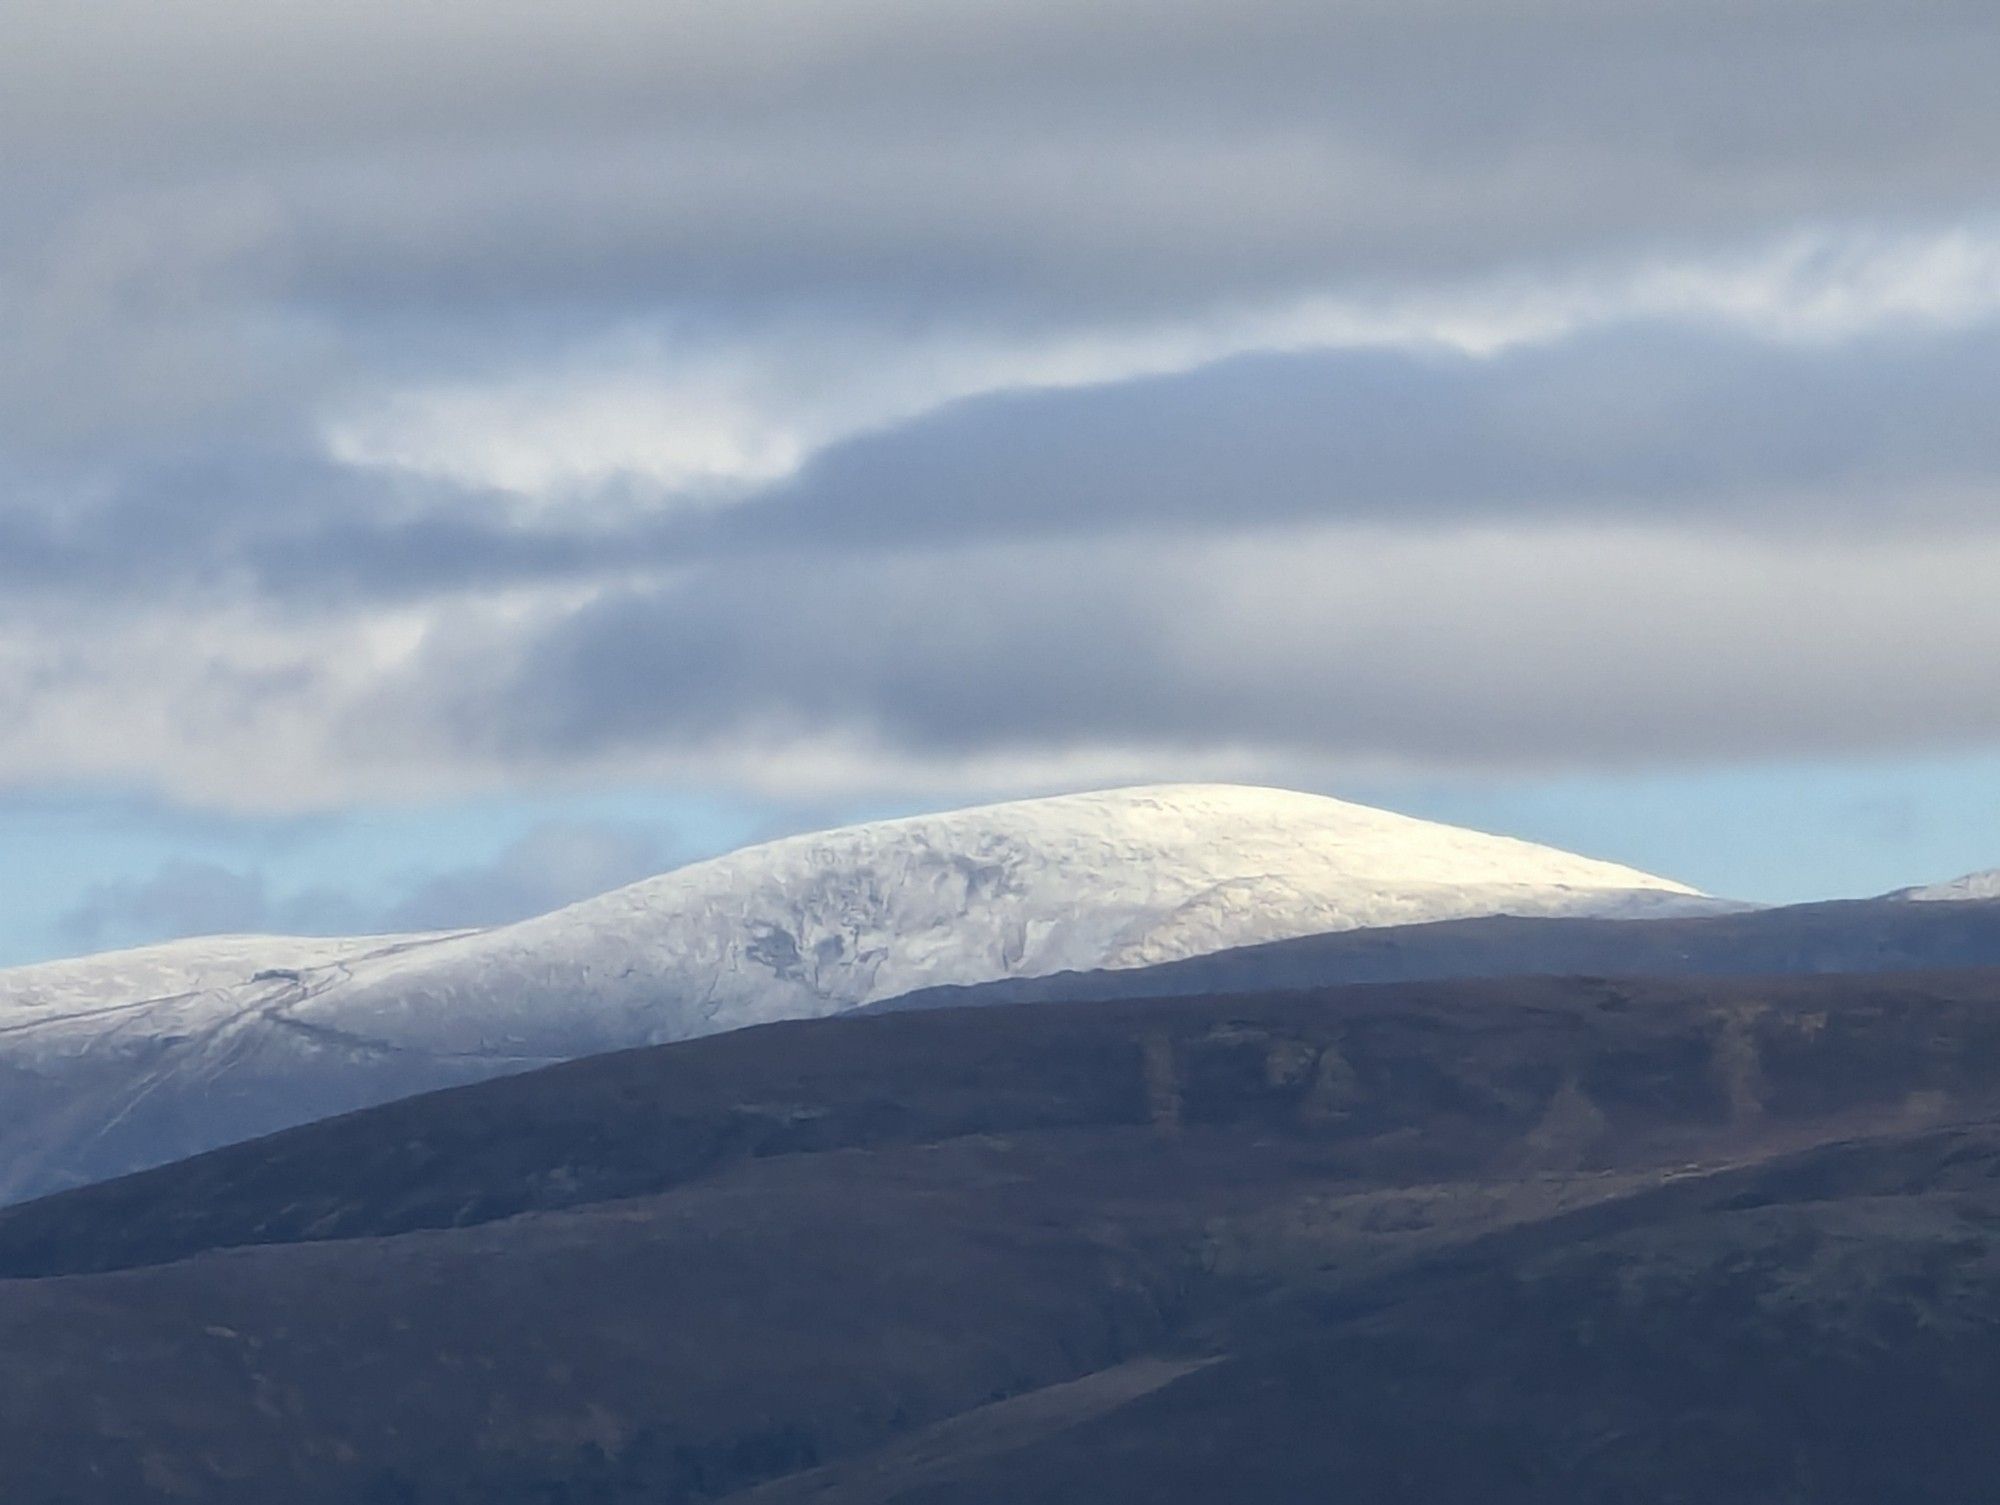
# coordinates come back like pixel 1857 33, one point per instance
pixel 1850 935
pixel 1536 1241
pixel 115 1063
pixel 1447 1078
pixel 1980 885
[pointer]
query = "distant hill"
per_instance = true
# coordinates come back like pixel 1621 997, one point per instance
pixel 116 1062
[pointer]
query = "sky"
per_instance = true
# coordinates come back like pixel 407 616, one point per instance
pixel 455 458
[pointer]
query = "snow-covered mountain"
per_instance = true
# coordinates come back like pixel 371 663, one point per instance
pixel 114 1062
pixel 1973 886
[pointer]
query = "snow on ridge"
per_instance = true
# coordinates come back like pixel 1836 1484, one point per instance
pixel 170 968
pixel 1973 886
pixel 829 919
pixel 818 923
pixel 192 968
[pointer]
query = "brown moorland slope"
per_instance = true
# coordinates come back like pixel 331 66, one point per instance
pixel 1542 1239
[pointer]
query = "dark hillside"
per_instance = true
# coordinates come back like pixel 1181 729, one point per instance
pixel 1535 1239
pixel 1865 935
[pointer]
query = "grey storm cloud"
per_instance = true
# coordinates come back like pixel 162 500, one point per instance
pixel 1646 421
pixel 1641 422
pixel 1481 648
pixel 221 222
pixel 209 208
pixel 228 226
pixel 416 162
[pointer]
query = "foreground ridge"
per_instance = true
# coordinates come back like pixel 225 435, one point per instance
pixel 1656 1239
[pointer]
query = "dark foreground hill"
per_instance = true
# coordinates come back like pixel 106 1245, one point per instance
pixel 1546 1240
pixel 1848 935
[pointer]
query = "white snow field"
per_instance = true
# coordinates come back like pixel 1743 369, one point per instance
pixel 115 1062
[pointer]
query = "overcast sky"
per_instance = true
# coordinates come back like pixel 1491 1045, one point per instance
pixel 457 457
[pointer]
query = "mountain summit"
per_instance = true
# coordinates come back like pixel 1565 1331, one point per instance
pixel 1973 887
pixel 125 1060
